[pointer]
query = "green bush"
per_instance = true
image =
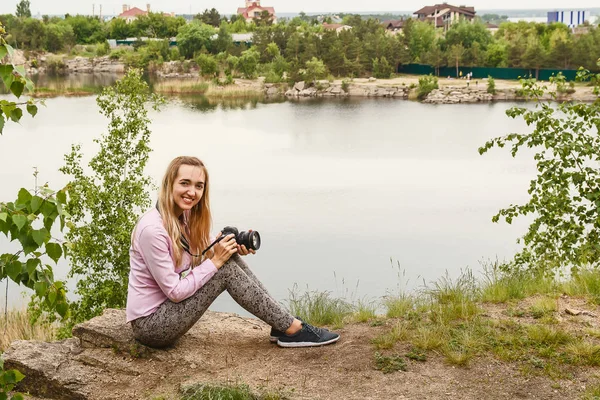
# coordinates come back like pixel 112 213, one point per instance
pixel 345 86
pixel 382 68
pixel 208 65
pixel 426 85
pixel 491 85
pixel 56 66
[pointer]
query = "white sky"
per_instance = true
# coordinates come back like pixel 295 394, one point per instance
pixel 57 7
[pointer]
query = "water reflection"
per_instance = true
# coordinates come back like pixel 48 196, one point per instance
pixel 206 104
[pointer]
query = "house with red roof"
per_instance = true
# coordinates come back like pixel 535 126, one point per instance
pixel 130 14
pixel 253 10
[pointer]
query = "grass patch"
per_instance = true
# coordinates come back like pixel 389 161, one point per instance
pixel 584 283
pixel 398 306
pixel 365 311
pixel 181 87
pixel 227 392
pixel 389 364
pixel 500 286
pixel 18 326
pixel 43 92
pixel 319 308
pixel 543 307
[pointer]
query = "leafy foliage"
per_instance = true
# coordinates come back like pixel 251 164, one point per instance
pixel 15 81
pixel 565 195
pixel 426 85
pixel 491 85
pixel 105 204
pixel 23 9
pixel 8 380
pixel 29 220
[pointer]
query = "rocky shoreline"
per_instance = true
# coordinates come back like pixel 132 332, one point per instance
pixel 455 93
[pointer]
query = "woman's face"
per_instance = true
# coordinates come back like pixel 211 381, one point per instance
pixel 188 188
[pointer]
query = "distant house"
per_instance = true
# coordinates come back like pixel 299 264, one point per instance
pixel 443 15
pixel 493 28
pixel 337 27
pixel 393 26
pixel 253 10
pixel 130 14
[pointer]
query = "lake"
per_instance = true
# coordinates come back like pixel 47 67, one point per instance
pixel 359 197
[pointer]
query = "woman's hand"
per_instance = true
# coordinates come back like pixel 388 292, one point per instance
pixel 243 251
pixel 224 249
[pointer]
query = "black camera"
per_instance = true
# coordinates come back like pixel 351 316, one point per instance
pixel 250 239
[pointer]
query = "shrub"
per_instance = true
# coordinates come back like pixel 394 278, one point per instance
pixel 345 86
pixel 382 68
pixel 426 85
pixel 491 85
pixel 208 65
pixel 56 66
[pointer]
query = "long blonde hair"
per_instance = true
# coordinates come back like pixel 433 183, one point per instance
pixel 197 221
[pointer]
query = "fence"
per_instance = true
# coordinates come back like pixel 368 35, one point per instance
pixel 484 72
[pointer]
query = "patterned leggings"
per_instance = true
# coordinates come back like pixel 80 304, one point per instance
pixel 172 320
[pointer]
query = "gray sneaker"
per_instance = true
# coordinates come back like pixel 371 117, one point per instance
pixel 308 336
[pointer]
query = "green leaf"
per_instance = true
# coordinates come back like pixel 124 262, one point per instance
pixel 3 216
pixel 61 196
pixel 1 122
pixel 41 288
pixel 36 202
pixel 10 50
pixel 19 220
pixel 3 396
pixel 17 88
pixel 54 251
pixel 16 114
pixel 24 196
pixel 6 74
pixel 32 109
pixel 62 309
pixel 52 296
pixel 32 265
pixel 13 269
pixel 40 236
pixel 3 51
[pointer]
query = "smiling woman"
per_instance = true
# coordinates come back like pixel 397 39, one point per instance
pixel 172 282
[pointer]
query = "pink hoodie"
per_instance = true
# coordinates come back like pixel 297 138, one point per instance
pixel 153 277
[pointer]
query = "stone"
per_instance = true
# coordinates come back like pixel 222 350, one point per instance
pixel 299 86
pixel 48 370
pixel 272 91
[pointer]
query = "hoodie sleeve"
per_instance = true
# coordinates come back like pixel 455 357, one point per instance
pixel 154 248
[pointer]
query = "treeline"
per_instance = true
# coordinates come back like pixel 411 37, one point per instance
pixel 293 46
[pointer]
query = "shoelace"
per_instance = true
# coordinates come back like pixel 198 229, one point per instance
pixel 313 329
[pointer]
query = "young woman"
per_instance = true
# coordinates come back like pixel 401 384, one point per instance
pixel 171 284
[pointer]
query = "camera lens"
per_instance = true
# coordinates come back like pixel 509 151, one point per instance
pixel 250 239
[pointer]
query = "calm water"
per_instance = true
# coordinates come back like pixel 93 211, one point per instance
pixel 346 194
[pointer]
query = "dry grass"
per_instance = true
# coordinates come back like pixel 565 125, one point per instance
pixel 208 89
pixel 16 325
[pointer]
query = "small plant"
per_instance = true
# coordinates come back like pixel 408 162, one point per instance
pixel 427 84
pixel 365 311
pixel 416 354
pixel 227 392
pixel 543 307
pixel 345 85
pixel 8 381
pixel 491 85
pixel 398 306
pixel 389 364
